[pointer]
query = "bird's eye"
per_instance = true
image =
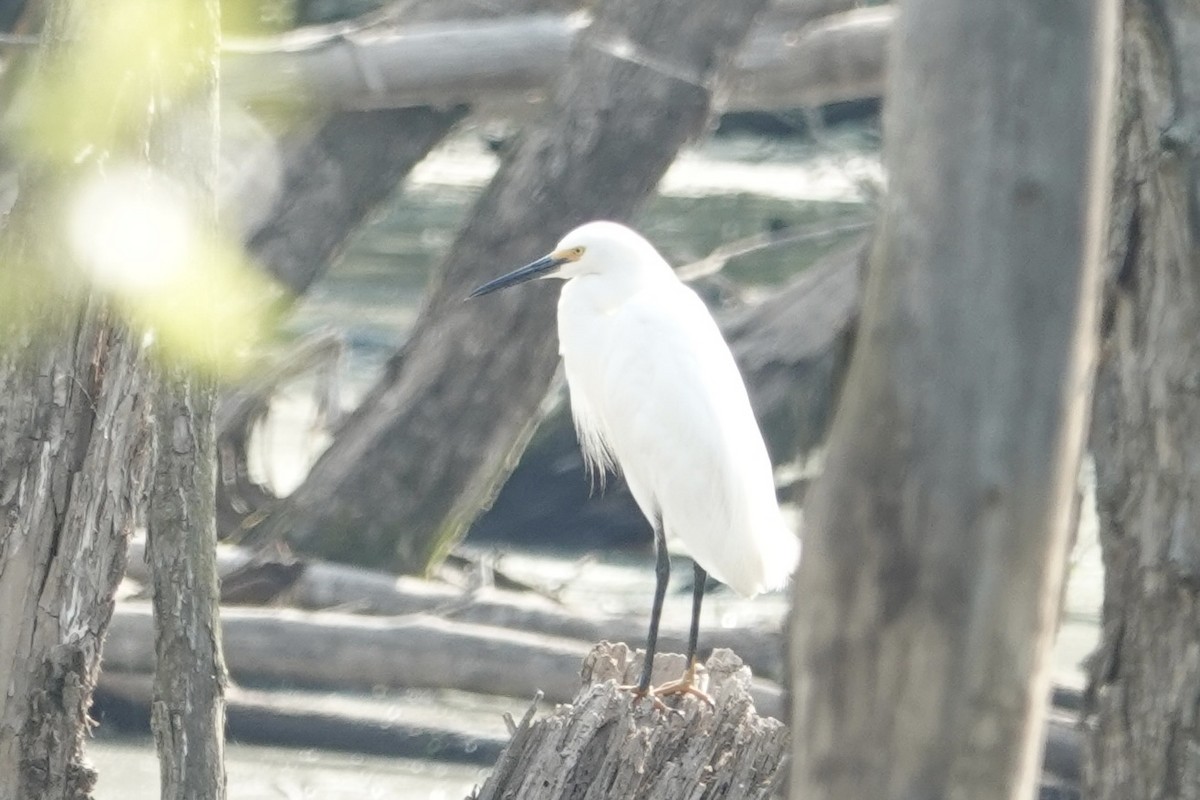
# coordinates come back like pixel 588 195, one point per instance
pixel 577 251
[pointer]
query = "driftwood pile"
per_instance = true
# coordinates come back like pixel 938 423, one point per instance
pixel 354 630
pixel 607 744
pixel 348 630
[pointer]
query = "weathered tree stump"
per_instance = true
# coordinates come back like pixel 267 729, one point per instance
pixel 607 745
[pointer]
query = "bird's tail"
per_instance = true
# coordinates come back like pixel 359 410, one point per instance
pixel 780 549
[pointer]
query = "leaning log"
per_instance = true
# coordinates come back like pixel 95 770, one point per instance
pixel 607 745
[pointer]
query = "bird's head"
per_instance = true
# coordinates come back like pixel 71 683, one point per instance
pixel 596 248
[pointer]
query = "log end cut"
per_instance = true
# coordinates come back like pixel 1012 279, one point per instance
pixel 607 745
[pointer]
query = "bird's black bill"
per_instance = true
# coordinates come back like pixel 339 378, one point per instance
pixel 537 269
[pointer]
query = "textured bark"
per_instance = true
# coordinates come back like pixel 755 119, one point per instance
pixel 927 597
pixel 74 457
pixel 1145 678
pixel 74 454
pixel 435 436
pixel 189 690
pixel 604 745
pixel 188 712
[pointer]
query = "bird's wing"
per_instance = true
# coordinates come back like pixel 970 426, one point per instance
pixel 667 400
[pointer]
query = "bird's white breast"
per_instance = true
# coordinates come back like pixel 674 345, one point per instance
pixel 654 387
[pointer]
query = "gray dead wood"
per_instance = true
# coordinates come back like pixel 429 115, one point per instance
pixel 296 198
pixel 793 348
pixel 833 59
pixel 605 745
pixel 281 719
pixel 509 64
pixel 935 540
pixel 417 651
pixel 326 586
pixel 314 187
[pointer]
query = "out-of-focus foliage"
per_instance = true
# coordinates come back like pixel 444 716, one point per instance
pixel 95 93
pixel 94 130
pixel 249 17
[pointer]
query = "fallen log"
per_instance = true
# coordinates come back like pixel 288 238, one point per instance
pixel 787 61
pixel 122 703
pixel 325 585
pixel 360 659
pixel 606 745
pixel 327 650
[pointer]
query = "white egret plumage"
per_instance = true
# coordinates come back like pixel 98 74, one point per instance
pixel 655 392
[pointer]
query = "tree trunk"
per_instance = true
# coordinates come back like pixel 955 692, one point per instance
pixel 927 597
pixel 1145 678
pixel 74 433
pixel 331 181
pixel 188 709
pixel 435 436
pixel 188 713
pixel 74 454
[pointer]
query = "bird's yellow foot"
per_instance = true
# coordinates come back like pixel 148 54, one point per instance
pixel 685 685
pixel 640 694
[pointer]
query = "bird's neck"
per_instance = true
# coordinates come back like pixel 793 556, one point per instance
pixel 604 294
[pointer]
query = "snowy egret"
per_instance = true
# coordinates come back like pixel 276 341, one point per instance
pixel 655 392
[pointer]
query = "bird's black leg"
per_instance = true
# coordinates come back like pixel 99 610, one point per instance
pixel 697 599
pixel 687 683
pixel 662 573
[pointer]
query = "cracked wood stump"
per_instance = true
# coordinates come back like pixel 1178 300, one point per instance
pixel 605 745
